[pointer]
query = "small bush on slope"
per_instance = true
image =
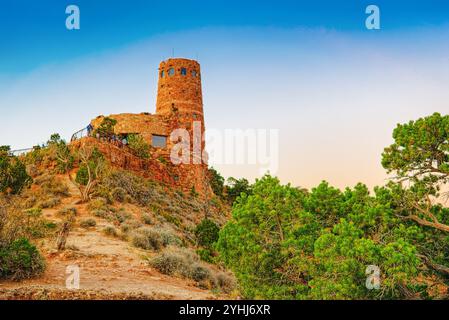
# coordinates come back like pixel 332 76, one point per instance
pixel 88 223
pixel 149 238
pixel 19 258
pixel 139 146
pixel 184 263
pixel 110 231
pixel 48 192
pixel 13 175
pixel 207 233
pixel 146 218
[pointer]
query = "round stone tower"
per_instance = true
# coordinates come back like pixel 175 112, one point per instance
pixel 180 100
pixel 179 89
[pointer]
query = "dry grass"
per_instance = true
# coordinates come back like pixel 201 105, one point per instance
pixel 88 223
pixel 161 205
pixel 110 231
pixel 67 211
pixel 184 263
pixel 150 238
pixel 47 192
pixel 146 218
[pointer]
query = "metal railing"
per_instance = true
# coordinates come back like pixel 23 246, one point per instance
pixel 19 152
pixel 80 134
pixel 85 132
pixel 77 135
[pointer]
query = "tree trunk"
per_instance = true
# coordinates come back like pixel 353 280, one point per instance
pixel 62 236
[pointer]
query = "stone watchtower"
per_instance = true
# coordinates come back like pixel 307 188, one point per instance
pixel 179 89
pixel 180 97
pixel 179 105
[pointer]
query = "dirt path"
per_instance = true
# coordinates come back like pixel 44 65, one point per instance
pixel 109 268
pixel 109 265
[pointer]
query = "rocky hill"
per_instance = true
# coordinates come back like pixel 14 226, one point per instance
pixel 131 236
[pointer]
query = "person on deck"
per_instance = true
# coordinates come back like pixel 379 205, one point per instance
pixel 89 129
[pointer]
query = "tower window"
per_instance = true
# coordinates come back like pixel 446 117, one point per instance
pixel 183 71
pixel 162 73
pixel 194 73
pixel 171 72
pixel 158 141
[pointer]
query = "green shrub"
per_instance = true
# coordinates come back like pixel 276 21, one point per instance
pixel 20 260
pixel 205 255
pixel 146 218
pixel 13 175
pixel 53 186
pixel 50 225
pixel 216 182
pixel 97 203
pixel 120 216
pixel 186 264
pixel 173 262
pixel 50 202
pixel 172 219
pixel 193 192
pixel 61 153
pixel 153 239
pixel 36 226
pixel 110 231
pixel 207 233
pixel 88 223
pixel 119 194
pixel 148 240
pixel 67 211
pixel 34 212
pixel 236 187
pixel 225 282
pixel 82 175
pixel 130 225
pixel 199 272
pixel 100 213
pixel 36 156
pixel 106 128
pixel 139 146
pixel 139 189
pixel 39 228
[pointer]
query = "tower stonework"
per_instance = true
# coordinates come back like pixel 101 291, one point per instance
pixel 179 89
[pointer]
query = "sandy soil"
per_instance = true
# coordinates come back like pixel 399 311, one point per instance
pixel 109 269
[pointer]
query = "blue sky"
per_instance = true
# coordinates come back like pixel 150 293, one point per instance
pixel 334 89
pixel 33 33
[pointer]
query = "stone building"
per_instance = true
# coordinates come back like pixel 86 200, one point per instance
pixel 179 105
